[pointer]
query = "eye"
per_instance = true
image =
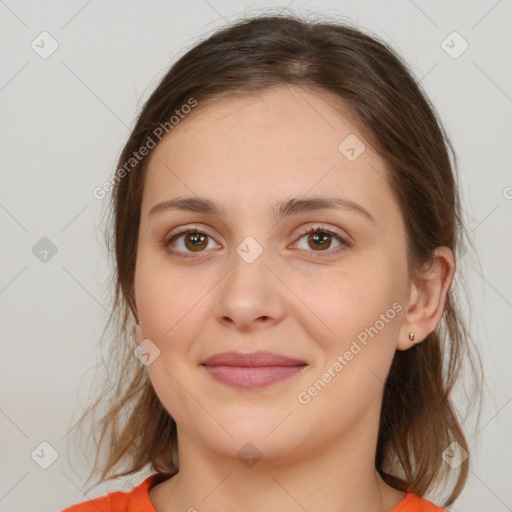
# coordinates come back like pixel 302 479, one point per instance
pixel 188 241
pixel 320 239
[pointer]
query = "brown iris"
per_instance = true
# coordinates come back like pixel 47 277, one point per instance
pixel 194 241
pixel 315 239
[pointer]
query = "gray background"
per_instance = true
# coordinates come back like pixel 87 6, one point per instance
pixel 64 120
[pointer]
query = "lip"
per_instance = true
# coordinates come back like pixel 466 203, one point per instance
pixel 252 370
pixel 251 359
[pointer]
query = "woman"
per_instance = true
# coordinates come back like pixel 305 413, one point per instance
pixel 286 220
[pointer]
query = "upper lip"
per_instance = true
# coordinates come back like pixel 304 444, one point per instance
pixel 252 359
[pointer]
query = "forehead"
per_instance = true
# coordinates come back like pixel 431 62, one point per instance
pixel 284 141
pixel 307 114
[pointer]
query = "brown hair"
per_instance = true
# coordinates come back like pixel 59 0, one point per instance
pixel 418 419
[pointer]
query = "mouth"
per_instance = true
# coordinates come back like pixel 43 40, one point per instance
pixel 252 370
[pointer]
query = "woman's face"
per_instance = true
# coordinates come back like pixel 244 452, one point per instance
pixel 253 174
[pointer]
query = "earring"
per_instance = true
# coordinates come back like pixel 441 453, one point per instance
pixel 411 337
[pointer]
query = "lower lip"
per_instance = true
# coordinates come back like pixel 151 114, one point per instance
pixel 247 377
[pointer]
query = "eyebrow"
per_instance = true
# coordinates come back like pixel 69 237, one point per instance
pixel 283 209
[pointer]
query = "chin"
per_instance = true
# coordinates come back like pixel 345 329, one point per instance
pixel 255 446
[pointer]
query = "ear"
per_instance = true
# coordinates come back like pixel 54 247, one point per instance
pixel 427 298
pixel 133 307
pixel 137 334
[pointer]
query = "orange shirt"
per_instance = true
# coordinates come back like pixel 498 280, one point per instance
pixel 137 500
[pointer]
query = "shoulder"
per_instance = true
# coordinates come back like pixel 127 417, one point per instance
pixel 414 503
pixel 94 505
pixel 136 500
pixel 117 501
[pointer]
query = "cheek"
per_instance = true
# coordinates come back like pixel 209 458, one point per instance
pixel 165 295
pixel 169 307
pixel 345 303
pixel 364 311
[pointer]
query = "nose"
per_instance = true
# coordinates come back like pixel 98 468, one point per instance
pixel 250 296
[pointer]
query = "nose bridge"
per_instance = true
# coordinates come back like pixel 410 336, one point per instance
pixel 249 262
pixel 249 290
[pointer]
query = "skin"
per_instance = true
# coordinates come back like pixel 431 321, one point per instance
pixel 248 152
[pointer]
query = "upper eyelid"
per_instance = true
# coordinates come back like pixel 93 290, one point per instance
pixel 311 225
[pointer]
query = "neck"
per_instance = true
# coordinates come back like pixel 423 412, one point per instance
pixel 339 475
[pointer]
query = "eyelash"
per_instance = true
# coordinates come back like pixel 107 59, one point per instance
pixel 345 243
